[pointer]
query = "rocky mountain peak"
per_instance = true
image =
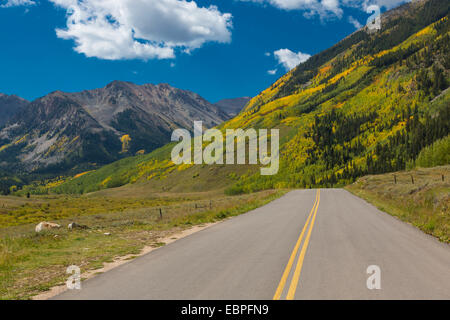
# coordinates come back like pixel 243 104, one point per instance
pixel 88 126
pixel 10 105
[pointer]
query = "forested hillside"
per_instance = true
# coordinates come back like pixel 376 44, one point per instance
pixel 369 104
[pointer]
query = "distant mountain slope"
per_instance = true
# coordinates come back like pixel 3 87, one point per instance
pixel 95 127
pixel 9 106
pixel 233 106
pixel 367 105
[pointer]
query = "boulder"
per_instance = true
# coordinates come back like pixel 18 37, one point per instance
pixel 75 225
pixel 46 226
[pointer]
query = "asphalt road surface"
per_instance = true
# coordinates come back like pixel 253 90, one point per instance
pixel 308 244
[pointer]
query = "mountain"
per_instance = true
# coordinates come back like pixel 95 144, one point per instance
pixel 9 106
pixel 367 105
pixel 90 128
pixel 233 106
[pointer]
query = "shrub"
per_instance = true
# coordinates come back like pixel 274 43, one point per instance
pixel 438 154
pixel 234 190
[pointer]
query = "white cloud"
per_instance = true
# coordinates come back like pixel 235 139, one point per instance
pixel 332 6
pixel 327 8
pixel 272 72
pixel 141 29
pixel 17 3
pixel 290 59
pixel 312 7
pixel 355 22
pixel 388 4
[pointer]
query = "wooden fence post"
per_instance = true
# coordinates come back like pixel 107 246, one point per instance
pixel 412 179
pixel 160 213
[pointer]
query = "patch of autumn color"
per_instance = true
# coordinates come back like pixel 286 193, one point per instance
pixel 339 76
pixel 11 144
pixel 58 145
pixel 415 38
pixel 21 139
pixel 140 152
pixel 291 121
pixel 74 139
pixel 150 177
pixel 105 182
pixel 425 31
pixel 325 69
pixel 56 183
pixel 81 174
pixel 183 166
pixel 5 147
pixel 125 143
pixel 269 93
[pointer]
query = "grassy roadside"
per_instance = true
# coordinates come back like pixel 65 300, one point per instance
pixel 424 204
pixel 32 263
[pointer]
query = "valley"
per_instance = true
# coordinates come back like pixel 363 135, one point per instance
pixel 368 105
pixel 363 130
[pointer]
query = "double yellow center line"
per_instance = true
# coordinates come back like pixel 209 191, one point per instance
pixel 298 268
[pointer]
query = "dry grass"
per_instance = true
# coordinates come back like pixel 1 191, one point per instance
pixel 425 204
pixel 31 263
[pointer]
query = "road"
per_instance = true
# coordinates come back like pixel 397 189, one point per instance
pixel 309 244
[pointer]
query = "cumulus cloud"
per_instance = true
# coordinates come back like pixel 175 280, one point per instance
pixel 388 4
pixel 312 7
pixel 290 59
pixel 327 8
pixel 272 72
pixel 17 3
pixel 141 29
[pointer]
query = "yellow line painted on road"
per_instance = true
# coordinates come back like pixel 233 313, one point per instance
pixel 298 269
pixel 285 276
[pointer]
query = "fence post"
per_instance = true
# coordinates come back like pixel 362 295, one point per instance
pixel 412 179
pixel 443 178
pixel 395 179
pixel 160 213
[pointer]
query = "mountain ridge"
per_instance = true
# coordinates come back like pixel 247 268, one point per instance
pixel 99 126
pixel 9 106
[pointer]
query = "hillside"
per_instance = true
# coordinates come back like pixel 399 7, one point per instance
pixel 367 105
pixel 9 106
pixel 90 128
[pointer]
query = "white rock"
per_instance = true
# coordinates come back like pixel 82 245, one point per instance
pixel 46 226
pixel 75 225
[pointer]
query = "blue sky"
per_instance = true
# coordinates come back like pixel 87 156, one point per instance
pixel 236 48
